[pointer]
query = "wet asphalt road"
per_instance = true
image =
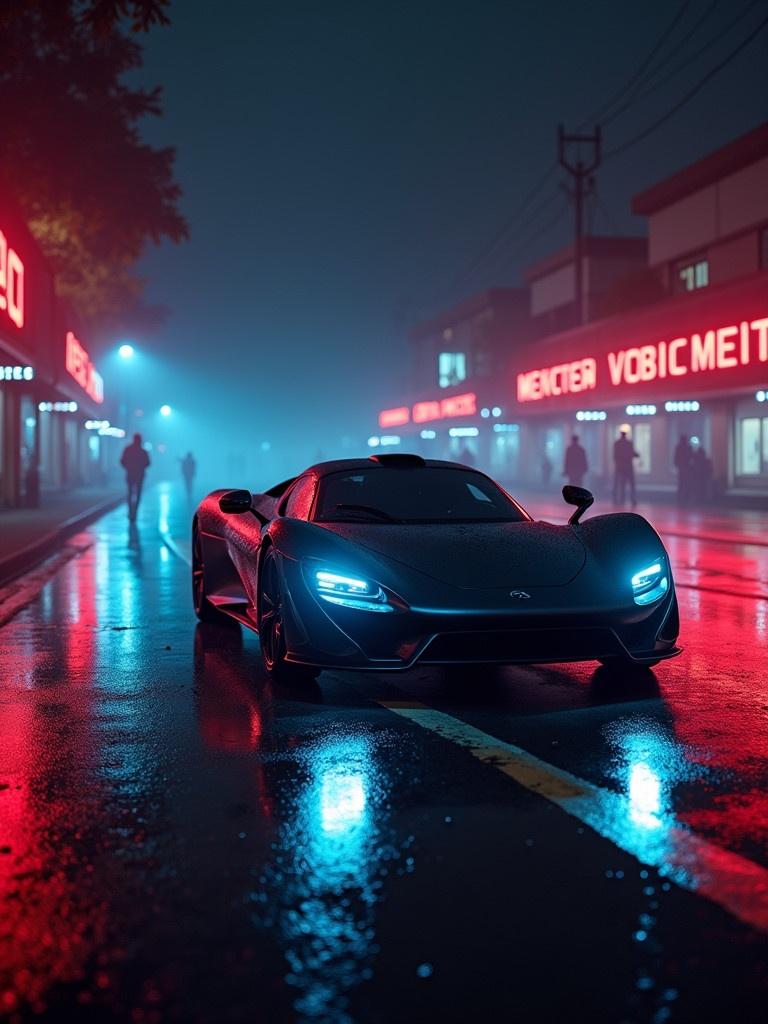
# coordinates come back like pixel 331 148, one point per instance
pixel 182 840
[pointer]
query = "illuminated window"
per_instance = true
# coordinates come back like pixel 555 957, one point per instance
pixel 641 439
pixel 691 275
pixel 451 368
pixel 751 459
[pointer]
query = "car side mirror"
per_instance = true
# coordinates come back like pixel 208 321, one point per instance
pixel 580 497
pixel 236 502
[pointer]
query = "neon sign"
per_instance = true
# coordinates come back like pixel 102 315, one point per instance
pixel 394 417
pixel 436 409
pixel 11 283
pixel 79 366
pixel 720 348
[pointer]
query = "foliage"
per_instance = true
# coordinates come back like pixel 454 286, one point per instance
pixel 94 193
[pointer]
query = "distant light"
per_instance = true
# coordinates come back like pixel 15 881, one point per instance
pixel 761 396
pixel 373 442
pixel 693 406
pixel 389 439
pixel 57 406
pixel 165 410
pixel 587 415
pixel 496 411
pixel 641 410
pixel 428 435
pixel 695 441
pixel 265 446
pixel 506 428
pixel 96 424
pixel 485 413
pixel 463 432
pixel 30 421
pixel 111 431
pixel 126 351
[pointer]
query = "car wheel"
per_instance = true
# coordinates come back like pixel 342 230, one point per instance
pixel 627 664
pixel 204 610
pixel 272 627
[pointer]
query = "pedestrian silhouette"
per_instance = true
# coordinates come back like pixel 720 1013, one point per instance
pixel 701 476
pixel 624 456
pixel 466 456
pixel 188 470
pixel 135 462
pixel 546 469
pixel 683 459
pixel 576 465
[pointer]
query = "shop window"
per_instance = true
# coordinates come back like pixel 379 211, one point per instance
pixel 749 445
pixel 451 368
pixel 691 274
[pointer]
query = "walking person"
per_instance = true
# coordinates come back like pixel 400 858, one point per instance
pixel 135 462
pixel 188 470
pixel 546 469
pixel 624 456
pixel 683 459
pixel 576 465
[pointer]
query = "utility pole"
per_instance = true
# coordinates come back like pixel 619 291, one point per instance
pixel 581 170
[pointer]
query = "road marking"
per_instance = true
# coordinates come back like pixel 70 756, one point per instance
pixel 174 546
pixel 731 881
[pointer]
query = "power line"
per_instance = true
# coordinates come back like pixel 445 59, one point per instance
pixel 690 94
pixel 657 47
pixel 692 58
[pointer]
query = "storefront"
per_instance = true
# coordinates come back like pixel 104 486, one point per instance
pixel 695 365
pixel 72 447
pixel 26 309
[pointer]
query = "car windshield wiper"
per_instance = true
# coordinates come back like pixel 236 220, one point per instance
pixel 370 510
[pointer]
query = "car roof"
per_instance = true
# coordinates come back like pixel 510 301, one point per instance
pixel 322 469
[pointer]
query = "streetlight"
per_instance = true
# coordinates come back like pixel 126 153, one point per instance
pixel 165 410
pixel 126 351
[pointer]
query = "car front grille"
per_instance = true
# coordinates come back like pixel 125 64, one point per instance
pixel 521 645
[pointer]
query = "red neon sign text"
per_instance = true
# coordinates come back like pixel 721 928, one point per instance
pixel 11 282
pixel 720 348
pixel 79 366
pixel 394 417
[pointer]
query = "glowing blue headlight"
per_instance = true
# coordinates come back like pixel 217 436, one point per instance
pixel 651 583
pixel 350 591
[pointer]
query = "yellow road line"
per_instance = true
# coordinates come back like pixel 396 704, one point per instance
pixel 733 882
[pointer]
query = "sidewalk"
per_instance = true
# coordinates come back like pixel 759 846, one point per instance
pixel 29 534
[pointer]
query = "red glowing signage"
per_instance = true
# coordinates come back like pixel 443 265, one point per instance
pixel 394 417
pixel 717 349
pixel 436 409
pixel 11 283
pixel 79 366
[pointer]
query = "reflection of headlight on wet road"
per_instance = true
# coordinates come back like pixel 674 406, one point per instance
pixel 644 791
pixel 342 800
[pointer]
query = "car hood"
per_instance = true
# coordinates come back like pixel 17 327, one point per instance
pixel 475 555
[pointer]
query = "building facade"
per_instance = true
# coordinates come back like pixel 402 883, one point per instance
pixel 49 387
pixel 675 343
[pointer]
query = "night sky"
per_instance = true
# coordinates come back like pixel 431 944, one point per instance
pixel 344 165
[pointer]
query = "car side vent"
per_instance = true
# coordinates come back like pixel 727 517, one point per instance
pixel 398 459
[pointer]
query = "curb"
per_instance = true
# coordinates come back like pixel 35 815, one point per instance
pixel 28 557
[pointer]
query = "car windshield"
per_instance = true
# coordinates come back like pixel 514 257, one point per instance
pixel 425 494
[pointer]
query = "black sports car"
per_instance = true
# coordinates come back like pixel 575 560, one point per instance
pixel 384 562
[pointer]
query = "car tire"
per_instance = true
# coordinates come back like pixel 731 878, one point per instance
pixel 204 610
pixel 272 627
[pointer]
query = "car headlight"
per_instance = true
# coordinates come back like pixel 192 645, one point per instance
pixel 349 591
pixel 651 583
